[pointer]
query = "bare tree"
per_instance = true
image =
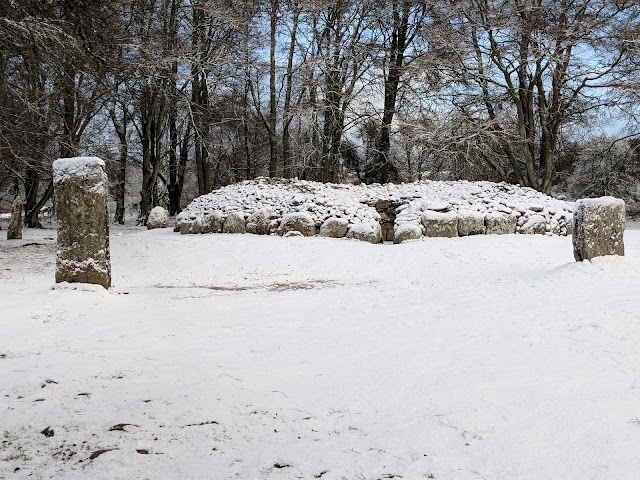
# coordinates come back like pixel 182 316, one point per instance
pixel 405 19
pixel 529 67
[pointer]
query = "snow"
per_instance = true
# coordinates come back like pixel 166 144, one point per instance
pixel 83 266
pixel 356 203
pixel 438 215
pixel 77 167
pixel 258 357
pixel 602 201
pixel 533 221
pixel 365 228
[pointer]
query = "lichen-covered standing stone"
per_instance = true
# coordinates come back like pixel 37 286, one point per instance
pixel 598 228
pixel 14 232
pixel 80 186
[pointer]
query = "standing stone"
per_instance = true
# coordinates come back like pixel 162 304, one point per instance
pixel 14 232
pixel 83 221
pixel 158 218
pixel 598 228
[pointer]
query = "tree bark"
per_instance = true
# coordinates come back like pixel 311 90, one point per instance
pixel 287 116
pixel 120 127
pixel 273 144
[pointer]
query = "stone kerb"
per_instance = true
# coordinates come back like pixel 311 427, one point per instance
pixel 411 211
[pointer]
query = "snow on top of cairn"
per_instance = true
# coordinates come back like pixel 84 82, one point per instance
pixel 601 201
pixel 75 166
pixel 356 203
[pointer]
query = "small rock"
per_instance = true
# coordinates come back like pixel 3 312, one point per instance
pixel 158 218
pixel 437 206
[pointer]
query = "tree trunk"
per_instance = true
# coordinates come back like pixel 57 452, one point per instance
pixel 200 100
pixel 120 127
pixel 147 141
pixel 273 144
pixel 32 215
pixel 383 170
pixel 286 137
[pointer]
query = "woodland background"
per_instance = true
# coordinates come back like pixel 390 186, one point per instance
pixel 183 96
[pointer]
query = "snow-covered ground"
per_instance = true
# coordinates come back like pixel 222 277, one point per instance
pixel 261 357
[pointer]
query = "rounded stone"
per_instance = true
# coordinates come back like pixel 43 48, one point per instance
pixel 407 231
pixel 334 227
pixel 158 218
pixel 366 231
pixel 298 221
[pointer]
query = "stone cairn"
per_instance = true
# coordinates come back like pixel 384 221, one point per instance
pixel 375 213
pixel 83 221
pixel 598 228
pixel 14 232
